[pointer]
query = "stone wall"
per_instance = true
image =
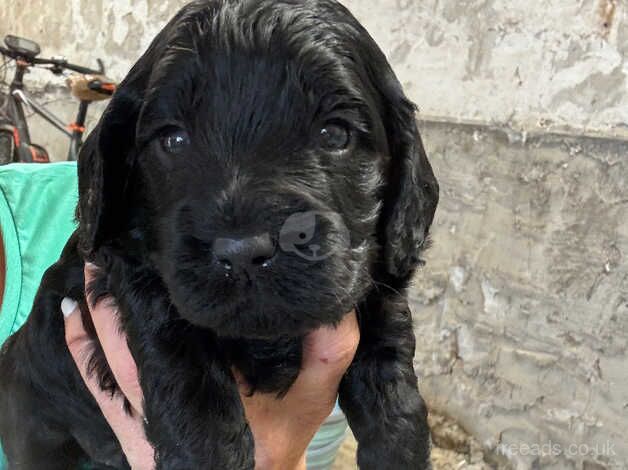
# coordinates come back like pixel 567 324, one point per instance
pixel 522 311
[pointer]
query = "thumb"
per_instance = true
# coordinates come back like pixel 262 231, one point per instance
pixel 328 352
pixel 128 430
pixel 76 337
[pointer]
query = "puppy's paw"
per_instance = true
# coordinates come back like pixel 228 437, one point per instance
pixel 399 438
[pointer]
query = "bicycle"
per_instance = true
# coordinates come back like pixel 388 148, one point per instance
pixel 87 85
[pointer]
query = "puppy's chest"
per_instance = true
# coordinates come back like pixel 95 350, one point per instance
pixel 269 366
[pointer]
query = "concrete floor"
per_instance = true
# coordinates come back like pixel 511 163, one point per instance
pixel 453 449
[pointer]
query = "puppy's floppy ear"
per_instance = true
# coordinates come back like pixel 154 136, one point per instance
pixel 412 190
pixel 412 194
pixel 104 167
pixel 106 161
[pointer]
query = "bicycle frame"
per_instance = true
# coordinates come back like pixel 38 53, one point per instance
pixel 18 98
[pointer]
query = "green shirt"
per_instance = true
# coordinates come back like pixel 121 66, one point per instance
pixel 37 205
pixel 36 219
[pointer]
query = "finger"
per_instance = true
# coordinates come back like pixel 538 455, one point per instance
pixel 243 387
pixel 328 352
pixel 79 343
pixel 128 430
pixel 113 342
pixel 81 347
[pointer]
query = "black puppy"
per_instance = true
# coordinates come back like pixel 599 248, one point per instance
pixel 258 174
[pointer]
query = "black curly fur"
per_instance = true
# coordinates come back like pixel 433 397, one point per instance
pixel 252 81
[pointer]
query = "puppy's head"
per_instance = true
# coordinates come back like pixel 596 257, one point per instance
pixel 263 158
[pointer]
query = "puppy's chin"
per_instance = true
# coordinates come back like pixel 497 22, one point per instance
pixel 244 320
pixel 262 310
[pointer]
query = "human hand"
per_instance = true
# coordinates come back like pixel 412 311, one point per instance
pixel 282 428
pixel 129 430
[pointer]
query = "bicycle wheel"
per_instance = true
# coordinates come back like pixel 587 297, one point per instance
pixel 7 147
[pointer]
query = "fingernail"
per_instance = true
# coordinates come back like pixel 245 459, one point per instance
pixel 68 306
pixel 91 267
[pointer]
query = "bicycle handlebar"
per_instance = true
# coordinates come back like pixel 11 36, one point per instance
pixel 58 64
pixel 64 64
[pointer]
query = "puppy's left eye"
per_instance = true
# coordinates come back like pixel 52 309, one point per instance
pixel 335 136
pixel 175 141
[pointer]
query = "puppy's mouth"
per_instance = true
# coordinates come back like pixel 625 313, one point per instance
pixel 247 317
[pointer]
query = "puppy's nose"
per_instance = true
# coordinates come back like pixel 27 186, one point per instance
pixel 244 253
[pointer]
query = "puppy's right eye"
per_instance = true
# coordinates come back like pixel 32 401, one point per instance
pixel 175 141
pixel 334 137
